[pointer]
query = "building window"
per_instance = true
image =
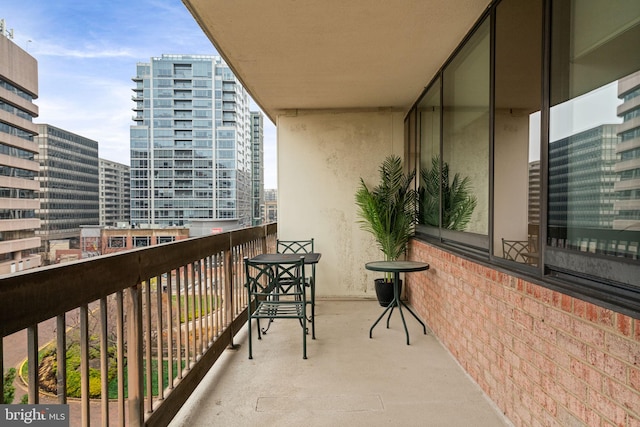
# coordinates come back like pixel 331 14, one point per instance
pixel 117 242
pixel 453 137
pixel 517 106
pixel 593 187
pixel 428 121
pixel 564 163
pixel 465 142
pixel 166 239
pixel 141 241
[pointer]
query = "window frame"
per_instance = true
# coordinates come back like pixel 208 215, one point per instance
pixel 578 274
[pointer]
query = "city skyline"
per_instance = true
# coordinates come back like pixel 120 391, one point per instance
pixel 86 53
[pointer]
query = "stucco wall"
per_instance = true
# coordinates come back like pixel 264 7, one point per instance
pixel 321 157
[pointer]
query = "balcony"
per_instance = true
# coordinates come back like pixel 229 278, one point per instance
pixel 125 313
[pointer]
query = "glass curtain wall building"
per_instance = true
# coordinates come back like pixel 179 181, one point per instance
pixel 191 153
pixel 257 187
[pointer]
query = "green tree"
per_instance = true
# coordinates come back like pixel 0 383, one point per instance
pixel 9 389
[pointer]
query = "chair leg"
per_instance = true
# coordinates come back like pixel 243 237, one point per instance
pixel 304 333
pixel 313 310
pixel 249 326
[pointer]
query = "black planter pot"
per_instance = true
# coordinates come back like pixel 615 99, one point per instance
pixel 384 291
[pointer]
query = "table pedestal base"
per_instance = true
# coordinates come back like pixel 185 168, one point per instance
pixel 397 302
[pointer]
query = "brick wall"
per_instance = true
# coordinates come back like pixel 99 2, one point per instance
pixel 544 358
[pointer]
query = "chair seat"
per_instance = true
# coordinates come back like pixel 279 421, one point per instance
pixel 276 290
pixel 279 310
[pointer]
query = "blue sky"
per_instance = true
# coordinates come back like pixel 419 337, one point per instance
pixel 87 53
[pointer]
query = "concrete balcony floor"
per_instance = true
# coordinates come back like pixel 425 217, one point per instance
pixel 347 380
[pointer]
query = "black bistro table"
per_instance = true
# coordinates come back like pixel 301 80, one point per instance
pixel 309 258
pixel 397 267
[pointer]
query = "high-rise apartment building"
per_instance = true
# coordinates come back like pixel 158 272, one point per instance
pixel 627 204
pixel 191 146
pixel 68 185
pixel 18 167
pixel 114 193
pixel 257 179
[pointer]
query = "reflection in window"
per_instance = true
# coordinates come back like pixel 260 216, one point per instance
pixel 594 131
pixel 465 121
pixel 428 117
pixel 518 103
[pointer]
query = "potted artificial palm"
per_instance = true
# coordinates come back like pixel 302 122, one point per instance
pixel 388 211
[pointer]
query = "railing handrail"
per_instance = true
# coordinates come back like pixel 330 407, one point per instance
pixel 38 294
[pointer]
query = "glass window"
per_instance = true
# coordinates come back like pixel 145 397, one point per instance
pixel 141 241
pixel 465 139
pixel 594 185
pixel 117 242
pixel 516 171
pixel 428 120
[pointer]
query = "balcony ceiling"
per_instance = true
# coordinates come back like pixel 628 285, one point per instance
pixel 335 54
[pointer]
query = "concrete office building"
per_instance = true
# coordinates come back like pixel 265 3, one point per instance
pixel 18 168
pixel 582 178
pixel 627 204
pixel 257 161
pixel 68 185
pixel 114 193
pixel 191 146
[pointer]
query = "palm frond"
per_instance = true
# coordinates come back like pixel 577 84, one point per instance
pixel 388 211
pixel 454 196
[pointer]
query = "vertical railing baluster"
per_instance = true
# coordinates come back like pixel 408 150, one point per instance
pixel 200 309
pixel 134 356
pixel 147 345
pixel 220 302
pixel 84 364
pixel 120 355
pixel 32 358
pixel 104 363
pixel 194 319
pixel 228 300
pixel 61 358
pixel 170 357
pixel 178 320
pixel 205 301
pixel 187 357
pixel 159 329
pixel 1 371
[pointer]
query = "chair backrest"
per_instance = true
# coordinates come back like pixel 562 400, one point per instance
pixel 264 279
pixel 513 250
pixel 294 246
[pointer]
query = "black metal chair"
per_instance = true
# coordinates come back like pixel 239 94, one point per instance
pixel 515 250
pixel 276 291
pixel 303 247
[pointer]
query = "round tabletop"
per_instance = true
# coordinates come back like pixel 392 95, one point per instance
pixel 396 266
